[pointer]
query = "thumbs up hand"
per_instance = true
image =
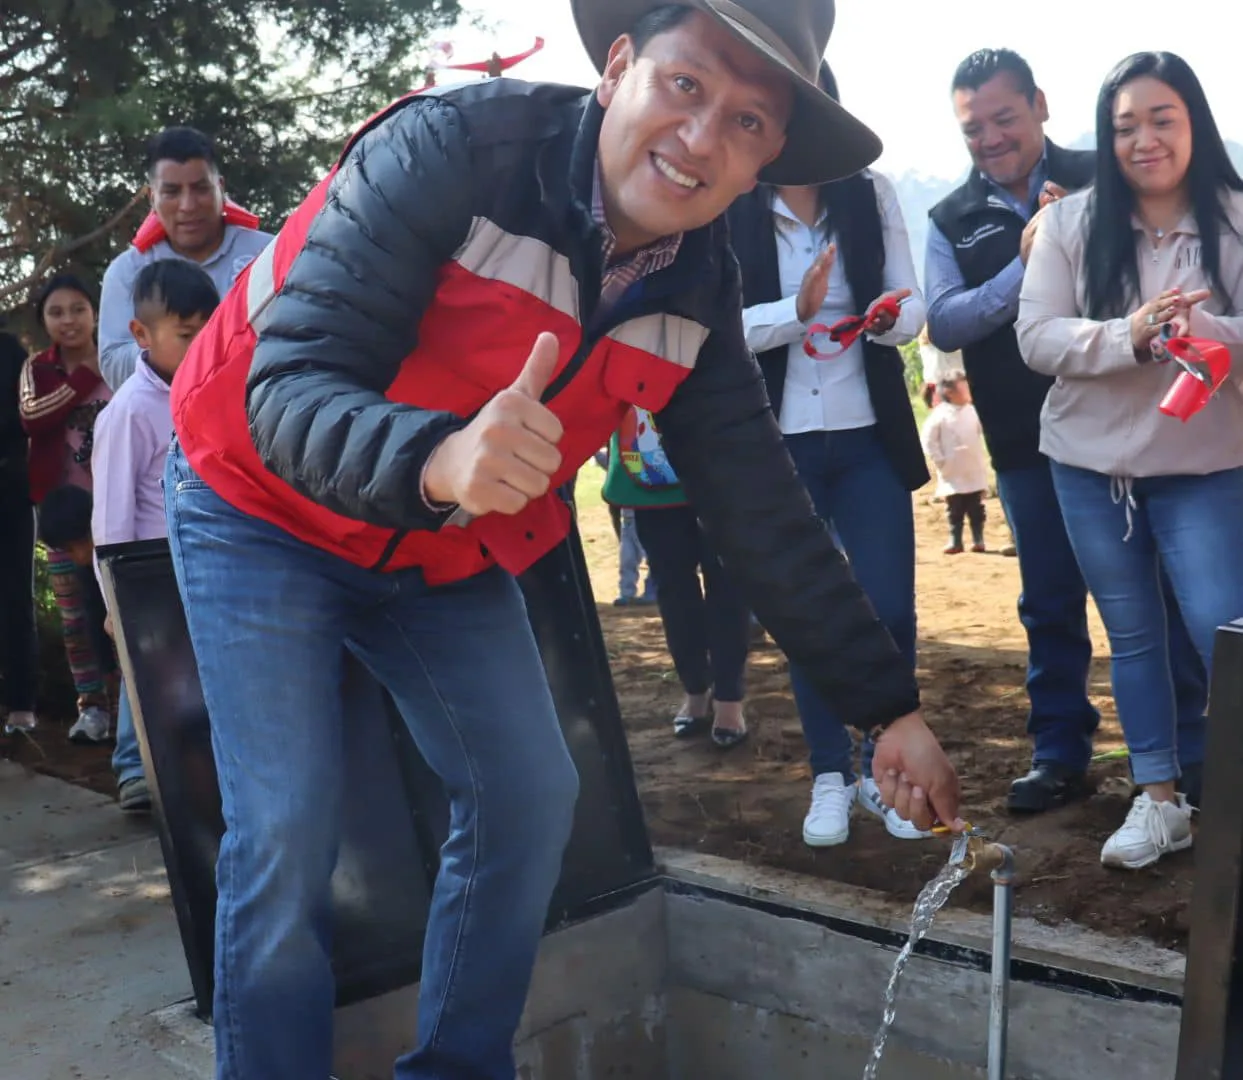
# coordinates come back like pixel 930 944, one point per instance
pixel 507 455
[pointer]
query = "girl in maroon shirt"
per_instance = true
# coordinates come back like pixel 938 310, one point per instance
pixel 61 394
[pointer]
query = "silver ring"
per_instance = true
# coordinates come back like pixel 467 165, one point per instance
pixel 1152 318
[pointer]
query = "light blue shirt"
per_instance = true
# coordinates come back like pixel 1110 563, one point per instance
pixel 958 316
pixel 118 351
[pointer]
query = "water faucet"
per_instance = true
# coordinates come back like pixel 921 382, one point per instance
pixel 983 854
pixel 974 851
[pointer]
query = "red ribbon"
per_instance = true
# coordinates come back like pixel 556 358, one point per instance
pixel 498 63
pixel 845 332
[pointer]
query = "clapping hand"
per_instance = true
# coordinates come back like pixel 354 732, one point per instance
pixel 1172 307
pixel 815 285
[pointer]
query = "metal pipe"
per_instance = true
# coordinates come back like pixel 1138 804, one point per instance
pixel 999 998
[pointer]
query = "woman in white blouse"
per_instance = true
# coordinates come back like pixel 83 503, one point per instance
pixel 816 255
pixel 1153 504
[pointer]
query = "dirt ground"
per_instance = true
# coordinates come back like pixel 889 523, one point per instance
pixel 48 749
pixel 749 803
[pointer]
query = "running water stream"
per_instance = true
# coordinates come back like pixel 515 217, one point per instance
pixel 931 900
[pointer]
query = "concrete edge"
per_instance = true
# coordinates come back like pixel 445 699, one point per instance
pixel 1068 947
pixel 181 1039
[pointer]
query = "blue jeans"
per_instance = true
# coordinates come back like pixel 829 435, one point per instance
pixel 858 494
pixel 270 618
pixel 630 558
pixel 1185 529
pixel 126 757
pixel 1053 608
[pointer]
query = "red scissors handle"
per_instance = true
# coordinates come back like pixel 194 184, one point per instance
pixel 845 332
pixel 1208 361
pixel 1205 366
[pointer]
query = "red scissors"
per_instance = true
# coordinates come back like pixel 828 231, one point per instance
pixel 845 332
pixel 1205 366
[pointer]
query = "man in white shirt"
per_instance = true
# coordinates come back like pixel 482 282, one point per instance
pixel 187 195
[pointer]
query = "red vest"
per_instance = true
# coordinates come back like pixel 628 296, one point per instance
pixel 493 298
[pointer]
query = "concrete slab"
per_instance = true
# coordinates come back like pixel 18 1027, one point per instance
pixel 596 1003
pixel 727 1040
pixel 41 818
pixel 92 971
pixel 797 969
pixel 88 940
pixel 1067 947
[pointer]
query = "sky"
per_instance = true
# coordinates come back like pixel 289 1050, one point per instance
pixel 894 68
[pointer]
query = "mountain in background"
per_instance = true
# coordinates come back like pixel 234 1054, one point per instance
pixel 918 193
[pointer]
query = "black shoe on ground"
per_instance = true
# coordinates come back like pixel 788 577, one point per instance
pixel 1046 787
pixel 134 797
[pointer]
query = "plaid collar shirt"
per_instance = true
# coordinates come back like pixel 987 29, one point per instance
pixel 619 275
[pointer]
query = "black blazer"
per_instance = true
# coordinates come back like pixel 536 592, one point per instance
pixel 859 242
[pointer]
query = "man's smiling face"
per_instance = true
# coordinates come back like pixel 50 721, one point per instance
pixel 689 123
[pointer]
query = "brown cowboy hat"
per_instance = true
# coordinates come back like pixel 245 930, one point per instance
pixel 823 142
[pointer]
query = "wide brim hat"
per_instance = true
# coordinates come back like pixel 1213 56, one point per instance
pixel 823 141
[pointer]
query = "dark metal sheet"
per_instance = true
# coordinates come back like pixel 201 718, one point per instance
pixel 396 814
pixel 1210 1045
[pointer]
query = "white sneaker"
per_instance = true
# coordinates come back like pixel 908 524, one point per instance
pixel 21 721
pixel 899 827
pixel 828 821
pixel 1151 829
pixel 92 726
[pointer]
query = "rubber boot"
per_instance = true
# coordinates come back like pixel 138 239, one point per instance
pixel 954 547
pixel 977 537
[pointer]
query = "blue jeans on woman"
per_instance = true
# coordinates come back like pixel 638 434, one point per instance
pixel 270 618
pixel 858 494
pixel 1185 530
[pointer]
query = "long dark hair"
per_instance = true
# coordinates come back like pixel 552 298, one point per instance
pixel 1112 277
pixel 849 210
pixel 69 282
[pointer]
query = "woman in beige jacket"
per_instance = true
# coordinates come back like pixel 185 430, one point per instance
pixel 1153 505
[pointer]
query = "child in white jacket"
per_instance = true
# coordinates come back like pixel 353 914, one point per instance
pixel 954 442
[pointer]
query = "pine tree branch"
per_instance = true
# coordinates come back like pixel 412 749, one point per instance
pixel 37 36
pixel 61 251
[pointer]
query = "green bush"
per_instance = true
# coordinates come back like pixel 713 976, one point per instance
pixel 56 692
pixel 913 368
pixel 45 601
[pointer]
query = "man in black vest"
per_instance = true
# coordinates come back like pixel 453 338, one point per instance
pixel 977 246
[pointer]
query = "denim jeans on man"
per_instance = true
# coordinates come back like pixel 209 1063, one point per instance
pixel 270 617
pixel 1053 608
pixel 856 491
pixel 126 757
pixel 708 630
pixel 630 560
pixel 1188 527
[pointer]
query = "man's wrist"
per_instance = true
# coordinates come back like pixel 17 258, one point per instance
pixel 880 728
pixel 429 490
